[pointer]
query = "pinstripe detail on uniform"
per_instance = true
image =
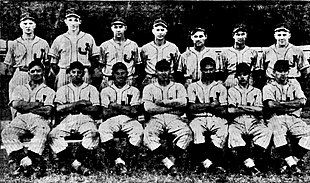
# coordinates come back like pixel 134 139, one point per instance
pixel 242 96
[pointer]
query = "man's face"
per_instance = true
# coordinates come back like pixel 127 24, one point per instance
pixel 240 37
pixel 282 38
pixel 281 76
pixel 163 75
pixel 27 26
pixel 118 30
pixel 159 32
pixel 243 78
pixel 120 76
pixel 36 73
pixel 73 23
pixel 207 71
pixel 199 38
pixel 76 75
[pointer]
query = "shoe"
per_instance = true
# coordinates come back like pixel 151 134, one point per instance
pixel 84 170
pixel 64 169
pixel 295 170
pixel 18 171
pixel 120 169
pixel 173 171
pixel 284 169
pixel 216 169
pixel 253 171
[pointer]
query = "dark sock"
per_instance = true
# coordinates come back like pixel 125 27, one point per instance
pixel 199 152
pixel 215 154
pixel 284 151
pixel 160 153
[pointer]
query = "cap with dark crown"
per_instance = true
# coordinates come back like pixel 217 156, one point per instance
pixel 207 61
pixel 160 22
pixel 118 21
pixel 243 68
pixel 72 12
pixel 240 27
pixel 282 27
pixel 36 62
pixel 75 65
pixel 162 65
pixel 281 65
pixel 27 16
pixel 196 29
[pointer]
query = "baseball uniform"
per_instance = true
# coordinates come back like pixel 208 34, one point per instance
pixel 20 54
pixel 151 54
pixel 291 53
pixel 36 124
pixel 202 122
pixel 127 95
pixel 79 122
pixel 189 62
pixel 232 57
pixel 246 124
pixel 288 122
pixel 67 49
pixel 170 121
pixel 113 52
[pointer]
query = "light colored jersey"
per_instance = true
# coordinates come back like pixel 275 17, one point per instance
pixel 128 95
pixel 21 53
pixel 189 62
pixel 153 54
pixel 112 53
pixel 67 49
pixel 277 92
pixel 250 96
pixel 69 94
pixel 232 57
pixel 291 53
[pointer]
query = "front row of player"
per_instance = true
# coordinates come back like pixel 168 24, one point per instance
pixel 225 115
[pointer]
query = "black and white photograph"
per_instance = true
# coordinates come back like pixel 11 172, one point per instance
pixel 162 91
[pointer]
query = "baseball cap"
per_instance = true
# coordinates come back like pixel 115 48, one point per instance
pixel 35 63
pixel 162 65
pixel 243 68
pixel 118 20
pixel 160 22
pixel 72 12
pixel 27 16
pixel 239 27
pixel 207 61
pixel 75 65
pixel 281 65
pixel 119 65
pixel 196 29
pixel 281 27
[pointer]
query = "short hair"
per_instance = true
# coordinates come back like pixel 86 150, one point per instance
pixel 196 29
pixel 281 65
pixel 119 65
pixel 35 63
pixel 243 68
pixel 162 65
pixel 207 61
pixel 240 27
pixel 75 65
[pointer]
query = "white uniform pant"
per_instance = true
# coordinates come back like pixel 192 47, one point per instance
pixel 80 123
pixel 123 123
pixel 167 122
pixel 37 126
pixel 248 125
pixel 282 124
pixel 216 125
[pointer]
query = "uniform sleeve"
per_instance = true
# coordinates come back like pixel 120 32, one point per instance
pixel 299 93
pixel 181 91
pixel 302 61
pixel 94 96
pixel 50 97
pixel 258 99
pixel 9 55
pixel 54 51
pixel 104 95
pixel 191 93
pixel 181 65
pixel 142 55
pixel 147 94
pixel 17 94
pixel 47 49
pixel 61 95
pixel 268 93
pixel 256 65
pixel 223 95
pixel 223 60
pixel 135 97
pixel 232 97
pixel 95 48
pixel 136 53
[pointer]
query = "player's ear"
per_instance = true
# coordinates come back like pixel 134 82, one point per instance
pixel 125 27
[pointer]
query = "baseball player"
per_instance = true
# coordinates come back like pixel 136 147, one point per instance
pixel 207 98
pixel 238 53
pixel 284 50
pixel 164 101
pixel 119 49
pixel 22 51
pixel 120 103
pixel 245 104
pixel 74 45
pixel 189 60
pixel 77 102
pixel 33 102
pixel 284 99
pixel 157 50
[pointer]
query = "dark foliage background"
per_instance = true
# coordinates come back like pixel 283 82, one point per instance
pixel 217 17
